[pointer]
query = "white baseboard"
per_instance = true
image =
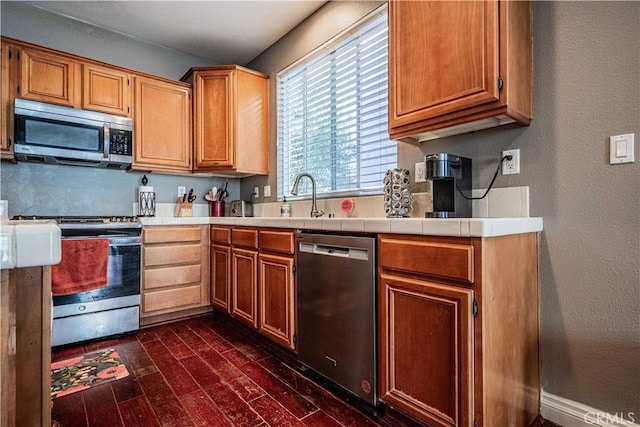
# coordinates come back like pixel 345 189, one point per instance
pixel 568 413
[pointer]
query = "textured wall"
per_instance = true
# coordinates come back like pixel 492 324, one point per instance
pixel 586 88
pixel 35 189
pixel 27 23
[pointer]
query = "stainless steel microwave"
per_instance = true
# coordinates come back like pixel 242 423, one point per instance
pixel 47 133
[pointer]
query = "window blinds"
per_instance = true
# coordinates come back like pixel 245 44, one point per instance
pixel 332 115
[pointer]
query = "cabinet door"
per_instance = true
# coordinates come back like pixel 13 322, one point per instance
pixel 277 299
pixel 48 77
pixel 244 285
pixel 7 92
pixel 426 350
pixel 251 139
pixel 434 70
pixel 214 119
pixel 162 126
pixel 220 277
pixel 106 90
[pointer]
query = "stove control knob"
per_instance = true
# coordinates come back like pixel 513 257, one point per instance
pixel 124 219
pixel 114 219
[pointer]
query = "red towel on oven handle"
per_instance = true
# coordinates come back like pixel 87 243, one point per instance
pixel 83 266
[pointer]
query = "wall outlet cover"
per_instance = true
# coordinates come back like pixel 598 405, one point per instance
pixel 511 167
pixel 420 174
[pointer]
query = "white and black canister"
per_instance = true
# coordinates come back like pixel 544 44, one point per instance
pixel 146 199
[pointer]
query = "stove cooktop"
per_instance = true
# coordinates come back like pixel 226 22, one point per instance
pixel 86 221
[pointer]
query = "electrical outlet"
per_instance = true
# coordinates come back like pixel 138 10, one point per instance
pixel 511 167
pixel 182 190
pixel 256 191
pixel 266 191
pixel 420 172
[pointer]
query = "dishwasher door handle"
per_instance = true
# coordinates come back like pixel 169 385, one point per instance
pixel 336 251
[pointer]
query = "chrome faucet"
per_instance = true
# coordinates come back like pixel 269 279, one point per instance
pixel 294 191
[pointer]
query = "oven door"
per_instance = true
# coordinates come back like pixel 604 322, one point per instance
pixel 123 273
pixel 111 310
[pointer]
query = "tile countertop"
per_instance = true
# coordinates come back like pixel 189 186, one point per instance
pixel 454 227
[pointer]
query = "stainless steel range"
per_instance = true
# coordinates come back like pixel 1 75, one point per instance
pixel 110 310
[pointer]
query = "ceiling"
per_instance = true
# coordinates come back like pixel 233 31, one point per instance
pixel 227 32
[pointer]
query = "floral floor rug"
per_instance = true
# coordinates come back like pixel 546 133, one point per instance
pixel 83 372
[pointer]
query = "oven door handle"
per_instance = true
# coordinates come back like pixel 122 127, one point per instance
pixel 117 241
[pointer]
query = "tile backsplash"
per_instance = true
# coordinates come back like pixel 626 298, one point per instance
pixel 507 202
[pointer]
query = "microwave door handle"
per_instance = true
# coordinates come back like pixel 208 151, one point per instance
pixel 107 140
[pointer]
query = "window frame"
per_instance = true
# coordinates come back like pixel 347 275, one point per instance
pixel 336 42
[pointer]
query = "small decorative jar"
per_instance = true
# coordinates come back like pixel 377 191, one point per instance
pixel 397 193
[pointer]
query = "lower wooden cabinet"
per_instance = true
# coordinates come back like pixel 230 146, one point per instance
pixel 175 270
pixel 252 278
pixel 276 296
pixel 458 329
pixel 25 346
pixel 221 267
pixel 426 350
pixel 244 281
pixel 221 277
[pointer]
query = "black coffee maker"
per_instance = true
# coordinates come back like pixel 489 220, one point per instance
pixel 451 179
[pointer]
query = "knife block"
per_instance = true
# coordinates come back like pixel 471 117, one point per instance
pixel 184 209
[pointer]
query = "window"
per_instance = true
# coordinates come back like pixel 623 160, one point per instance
pixel 332 114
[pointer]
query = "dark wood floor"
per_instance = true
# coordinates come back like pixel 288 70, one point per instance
pixel 200 372
pixel 205 372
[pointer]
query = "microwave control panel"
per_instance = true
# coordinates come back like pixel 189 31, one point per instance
pixel 121 142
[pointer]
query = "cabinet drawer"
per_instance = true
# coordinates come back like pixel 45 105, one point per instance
pixel 277 241
pixel 244 237
pixel 170 276
pixel 171 234
pixel 178 254
pixel 170 298
pixel 221 235
pixel 442 259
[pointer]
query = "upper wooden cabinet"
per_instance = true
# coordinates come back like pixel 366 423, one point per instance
pixel 106 90
pixel 455 67
pixel 6 113
pixel 49 77
pixel 230 106
pixel 162 125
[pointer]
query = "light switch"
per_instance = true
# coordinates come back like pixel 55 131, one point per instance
pixel 621 149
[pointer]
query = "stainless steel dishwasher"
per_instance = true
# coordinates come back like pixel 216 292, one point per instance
pixel 336 310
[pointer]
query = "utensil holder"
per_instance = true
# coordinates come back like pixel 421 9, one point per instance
pixel 184 209
pixel 217 208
